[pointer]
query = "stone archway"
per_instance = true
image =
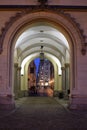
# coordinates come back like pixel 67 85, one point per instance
pixel 60 21
pixel 57 78
pixel 47 87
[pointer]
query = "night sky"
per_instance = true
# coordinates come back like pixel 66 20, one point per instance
pixel 37 61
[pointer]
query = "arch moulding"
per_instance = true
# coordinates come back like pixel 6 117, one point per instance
pixel 27 16
pixel 21 21
pixel 25 19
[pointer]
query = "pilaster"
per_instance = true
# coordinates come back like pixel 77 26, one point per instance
pixel 7 102
pixel 16 80
pixel 19 81
pixel 67 78
pixel 63 79
pixel 56 81
pixel 78 102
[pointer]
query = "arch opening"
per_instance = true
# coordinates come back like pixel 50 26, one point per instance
pixel 56 49
pixel 51 30
pixel 40 78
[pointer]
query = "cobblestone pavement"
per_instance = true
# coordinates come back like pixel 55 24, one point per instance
pixel 42 113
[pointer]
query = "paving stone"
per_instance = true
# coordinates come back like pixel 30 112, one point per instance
pixel 42 113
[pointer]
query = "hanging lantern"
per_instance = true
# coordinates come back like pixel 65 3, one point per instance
pixel 41 54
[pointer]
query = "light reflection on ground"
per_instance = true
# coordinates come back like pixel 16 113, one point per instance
pixel 45 92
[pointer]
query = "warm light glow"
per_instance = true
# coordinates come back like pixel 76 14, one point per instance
pixel 51 81
pixel 42 84
pixel 46 84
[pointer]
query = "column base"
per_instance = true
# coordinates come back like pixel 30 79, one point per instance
pixel 55 94
pixel 66 94
pixel 16 96
pixel 78 102
pixel 23 93
pixel 7 102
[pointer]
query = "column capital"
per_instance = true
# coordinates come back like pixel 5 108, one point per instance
pixel 16 65
pixel 67 64
pixel 62 68
pixel 19 68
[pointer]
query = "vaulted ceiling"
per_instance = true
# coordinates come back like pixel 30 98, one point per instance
pixel 31 40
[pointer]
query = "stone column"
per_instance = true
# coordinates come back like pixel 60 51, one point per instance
pixel 19 81
pixel 16 80
pixel 56 81
pixel 59 83
pixel 63 79
pixel 67 78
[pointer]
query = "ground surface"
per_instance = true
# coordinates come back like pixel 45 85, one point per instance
pixel 42 113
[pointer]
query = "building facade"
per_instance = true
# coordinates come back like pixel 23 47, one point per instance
pixel 32 75
pixel 44 73
pixel 61 26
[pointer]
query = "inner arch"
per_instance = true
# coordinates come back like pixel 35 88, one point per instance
pixel 37 55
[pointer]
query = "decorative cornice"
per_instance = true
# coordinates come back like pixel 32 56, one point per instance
pixel 39 8
pixel 64 7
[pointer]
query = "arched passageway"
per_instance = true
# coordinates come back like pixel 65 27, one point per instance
pixel 27 35
pixel 55 48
